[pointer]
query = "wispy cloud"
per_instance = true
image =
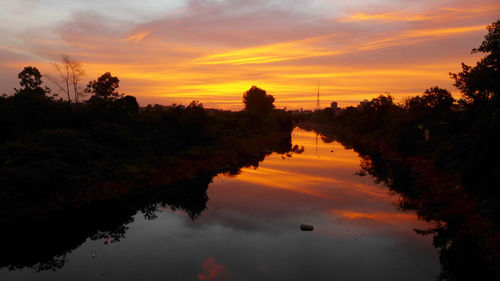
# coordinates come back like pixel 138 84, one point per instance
pixel 309 47
pixel 324 46
pixel 138 36
pixel 213 51
pixel 439 14
pixel 388 17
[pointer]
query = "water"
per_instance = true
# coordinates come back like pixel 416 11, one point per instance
pixel 250 230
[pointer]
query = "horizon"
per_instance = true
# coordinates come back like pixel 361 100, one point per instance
pixel 213 51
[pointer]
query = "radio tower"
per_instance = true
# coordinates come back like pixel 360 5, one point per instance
pixel 317 98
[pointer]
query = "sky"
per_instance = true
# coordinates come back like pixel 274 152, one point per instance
pixel 176 51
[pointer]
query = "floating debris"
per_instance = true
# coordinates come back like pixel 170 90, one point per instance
pixel 306 227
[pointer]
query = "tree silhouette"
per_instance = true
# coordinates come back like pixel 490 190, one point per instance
pixel 104 88
pixel 69 71
pixel 382 103
pixel 128 104
pixel 434 98
pixel 480 83
pixel 438 98
pixel 30 77
pixel 31 81
pixel 258 101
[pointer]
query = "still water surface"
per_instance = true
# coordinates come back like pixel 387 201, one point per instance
pixel 250 230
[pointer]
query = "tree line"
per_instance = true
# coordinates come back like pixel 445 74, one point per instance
pixel 54 150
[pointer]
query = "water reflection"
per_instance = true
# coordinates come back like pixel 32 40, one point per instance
pixel 464 225
pixel 49 241
pixel 464 231
pixel 307 187
pixel 45 246
pixel 247 230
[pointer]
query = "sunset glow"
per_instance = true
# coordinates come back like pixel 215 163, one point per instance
pixel 380 217
pixel 213 51
pixel 310 173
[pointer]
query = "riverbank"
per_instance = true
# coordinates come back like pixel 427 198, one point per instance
pixel 465 230
pixel 103 210
pixel 58 157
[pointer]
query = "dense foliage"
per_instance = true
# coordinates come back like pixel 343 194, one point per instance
pixel 257 101
pixel 66 154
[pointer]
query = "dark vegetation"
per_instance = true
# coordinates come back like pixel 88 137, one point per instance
pixel 44 244
pixel 441 155
pixel 72 171
pixel 57 156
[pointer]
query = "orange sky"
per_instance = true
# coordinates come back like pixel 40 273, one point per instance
pixel 214 50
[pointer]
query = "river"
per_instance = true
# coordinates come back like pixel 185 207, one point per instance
pixel 250 229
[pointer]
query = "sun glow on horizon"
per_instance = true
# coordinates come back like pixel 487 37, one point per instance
pixel 213 52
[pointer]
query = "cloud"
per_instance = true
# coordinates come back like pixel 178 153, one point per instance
pixel 214 50
pixel 138 37
pixel 272 53
pixel 319 46
pixel 440 14
pixel 387 17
